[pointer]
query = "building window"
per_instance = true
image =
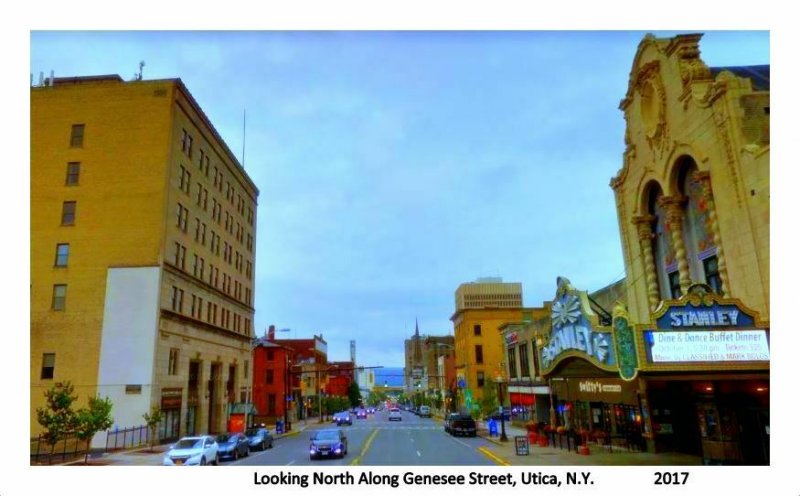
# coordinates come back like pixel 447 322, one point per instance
pixel 478 353
pixel 476 330
pixel 270 355
pixel 177 299
pixel 270 376
pixel 674 285
pixel 180 256
pixel 48 365
pixel 512 363
pixel 481 379
pixel 711 269
pixel 76 137
pixel 59 297
pixel 524 368
pixel 68 213
pixel 186 143
pixel 173 361
pixel 73 173
pixel 246 368
pixel 62 254
pixel 183 217
pixel 271 404
pixel 186 180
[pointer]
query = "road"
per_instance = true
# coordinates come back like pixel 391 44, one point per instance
pixel 377 441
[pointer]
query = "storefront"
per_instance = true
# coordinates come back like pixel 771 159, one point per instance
pixel 582 360
pixel 599 405
pixel 705 373
pixel 171 402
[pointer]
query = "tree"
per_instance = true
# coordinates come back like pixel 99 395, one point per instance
pixel 354 394
pixel 489 402
pixel 57 418
pixel 91 420
pixel 152 420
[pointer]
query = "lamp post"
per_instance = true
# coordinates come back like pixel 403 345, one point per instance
pixel 503 436
pixel 253 344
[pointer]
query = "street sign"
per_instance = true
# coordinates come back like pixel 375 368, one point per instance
pixel 521 445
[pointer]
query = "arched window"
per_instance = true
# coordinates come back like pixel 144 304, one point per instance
pixel 701 253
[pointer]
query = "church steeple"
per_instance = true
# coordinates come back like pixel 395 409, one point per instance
pixel 416 328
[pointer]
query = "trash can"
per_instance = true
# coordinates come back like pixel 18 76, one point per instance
pixel 279 427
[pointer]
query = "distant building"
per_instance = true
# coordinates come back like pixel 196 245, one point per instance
pixel 308 372
pixel 489 292
pixel 143 224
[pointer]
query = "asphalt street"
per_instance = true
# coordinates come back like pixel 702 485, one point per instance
pixel 377 441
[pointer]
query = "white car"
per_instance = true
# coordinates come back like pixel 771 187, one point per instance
pixel 195 450
pixel 394 414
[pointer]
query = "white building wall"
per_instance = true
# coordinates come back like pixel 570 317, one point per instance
pixel 127 349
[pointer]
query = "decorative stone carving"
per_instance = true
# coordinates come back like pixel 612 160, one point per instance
pixel 644 227
pixel 673 206
pixel 652 105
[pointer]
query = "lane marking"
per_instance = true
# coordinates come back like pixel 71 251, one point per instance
pixel 418 454
pixel 367 444
pixel 492 456
pixel 291 462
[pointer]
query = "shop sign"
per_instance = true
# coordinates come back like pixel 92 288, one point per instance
pixel 707 346
pixel 701 308
pixel 171 398
pixel 572 331
pixel 590 386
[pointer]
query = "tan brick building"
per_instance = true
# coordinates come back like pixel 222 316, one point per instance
pixel 693 207
pixel 142 252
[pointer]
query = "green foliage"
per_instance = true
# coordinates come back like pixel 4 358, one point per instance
pixel 354 394
pixel 152 420
pixel 489 403
pixel 57 417
pixel 89 421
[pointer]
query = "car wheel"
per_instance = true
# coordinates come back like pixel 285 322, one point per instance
pixel 270 444
pixel 236 454
pixel 247 451
pixel 263 446
pixel 203 461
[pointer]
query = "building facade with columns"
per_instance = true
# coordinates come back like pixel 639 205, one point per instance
pixel 143 225
pixel 692 201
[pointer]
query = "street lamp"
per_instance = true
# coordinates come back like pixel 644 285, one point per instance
pixel 253 344
pixel 503 436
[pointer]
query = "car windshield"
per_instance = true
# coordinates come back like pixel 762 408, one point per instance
pixel 326 435
pixel 189 443
pixel 224 438
pixel 251 432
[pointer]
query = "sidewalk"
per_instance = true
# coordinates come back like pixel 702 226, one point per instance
pixel 143 456
pixel 505 453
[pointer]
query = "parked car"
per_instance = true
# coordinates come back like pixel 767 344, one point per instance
pixel 448 421
pixel 233 445
pixel 259 438
pixel 328 442
pixel 343 418
pixel 462 425
pixel 424 411
pixel 193 450
pixel 394 414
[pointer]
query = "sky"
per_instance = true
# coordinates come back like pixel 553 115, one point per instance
pixel 394 166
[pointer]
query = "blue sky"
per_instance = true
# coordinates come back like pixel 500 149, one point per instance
pixel 393 166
